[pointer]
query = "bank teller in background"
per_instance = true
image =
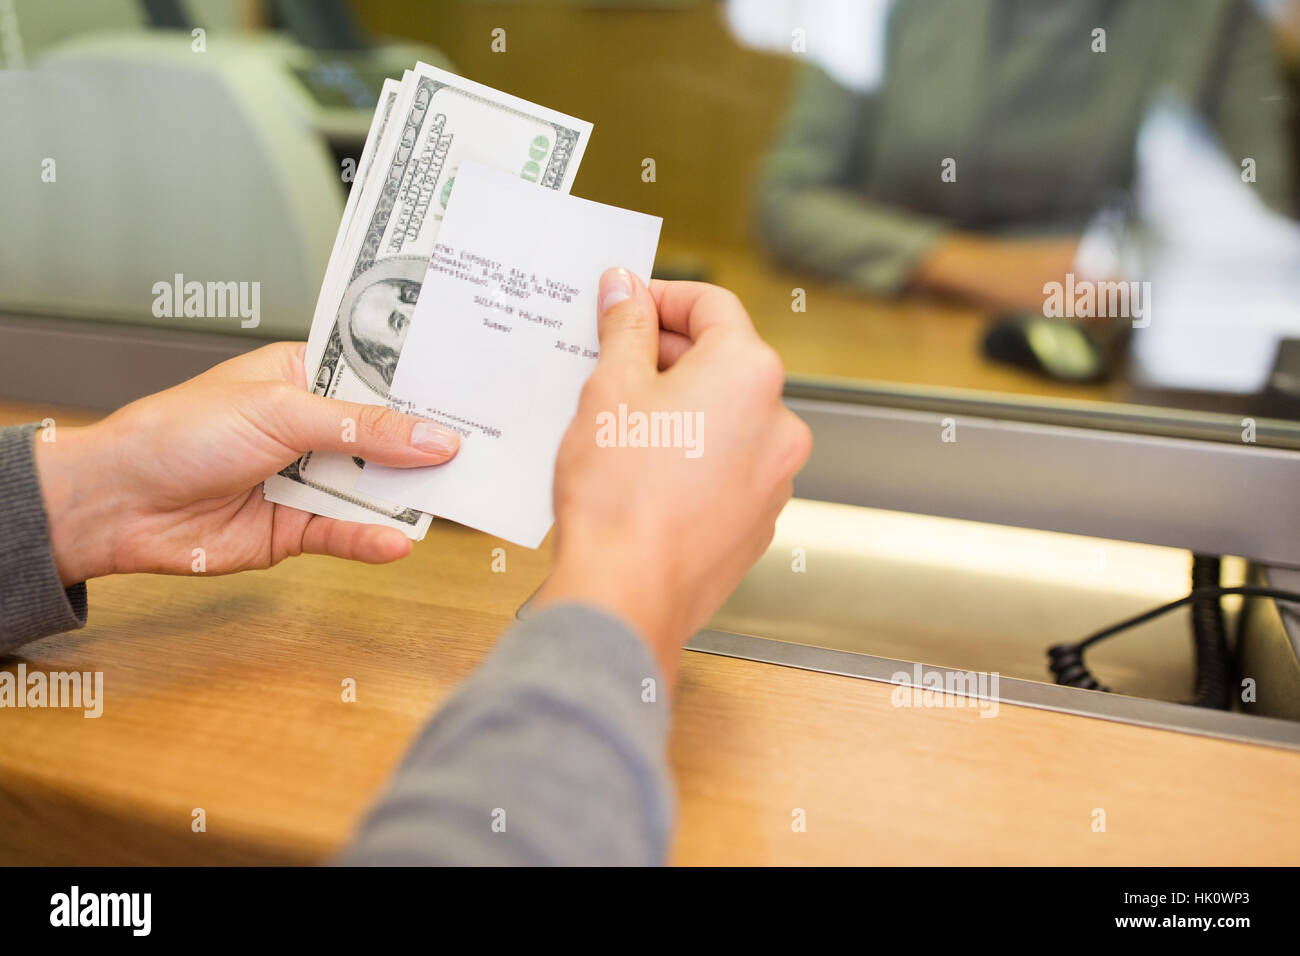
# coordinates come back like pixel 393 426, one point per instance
pixel 999 130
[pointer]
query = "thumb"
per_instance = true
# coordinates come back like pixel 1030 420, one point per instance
pixel 628 323
pixel 307 422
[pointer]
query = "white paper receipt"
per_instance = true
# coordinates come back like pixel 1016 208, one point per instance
pixel 500 343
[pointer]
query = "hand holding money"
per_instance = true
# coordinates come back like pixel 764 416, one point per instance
pixel 422 130
pixel 171 484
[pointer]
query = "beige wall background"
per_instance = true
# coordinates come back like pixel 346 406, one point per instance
pixel 667 83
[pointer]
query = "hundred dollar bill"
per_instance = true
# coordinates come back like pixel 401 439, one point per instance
pixel 437 121
pixel 281 488
pixel 321 321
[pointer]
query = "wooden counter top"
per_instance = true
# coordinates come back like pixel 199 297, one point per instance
pixel 226 694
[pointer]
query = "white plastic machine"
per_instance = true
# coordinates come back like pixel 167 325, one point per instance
pixel 133 156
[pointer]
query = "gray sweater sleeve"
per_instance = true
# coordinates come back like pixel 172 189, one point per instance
pixel 32 601
pixel 813 213
pixel 552 753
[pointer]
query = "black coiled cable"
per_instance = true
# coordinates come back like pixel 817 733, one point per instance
pixel 1066 662
pixel 1210 638
pixel 1213 660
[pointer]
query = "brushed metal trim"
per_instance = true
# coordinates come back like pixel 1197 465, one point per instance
pixel 1159 715
pixel 1097 705
pixel 88 364
pixel 1288 579
pixel 1204 496
pixel 1169 421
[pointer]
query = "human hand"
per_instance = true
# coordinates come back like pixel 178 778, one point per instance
pixel 998 273
pixel 182 469
pixel 655 536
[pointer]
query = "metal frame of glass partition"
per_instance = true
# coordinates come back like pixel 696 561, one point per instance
pixel 1133 473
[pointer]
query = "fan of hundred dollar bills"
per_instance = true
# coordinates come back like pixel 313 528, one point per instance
pixel 423 128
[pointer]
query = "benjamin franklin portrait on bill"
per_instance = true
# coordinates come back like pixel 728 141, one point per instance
pixel 374 315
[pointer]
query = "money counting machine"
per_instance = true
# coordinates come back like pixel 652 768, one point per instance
pixel 141 164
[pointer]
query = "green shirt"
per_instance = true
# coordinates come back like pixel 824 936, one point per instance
pixel 1040 128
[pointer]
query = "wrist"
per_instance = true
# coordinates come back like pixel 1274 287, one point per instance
pixel 81 500
pixel 636 594
pixel 952 262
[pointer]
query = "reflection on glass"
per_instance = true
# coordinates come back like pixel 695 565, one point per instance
pixel 1090 168
pixel 1093 199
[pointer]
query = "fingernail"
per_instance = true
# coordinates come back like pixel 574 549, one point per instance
pixel 427 436
pixel 615 287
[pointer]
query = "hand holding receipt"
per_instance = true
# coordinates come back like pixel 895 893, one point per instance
pixel 501 341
